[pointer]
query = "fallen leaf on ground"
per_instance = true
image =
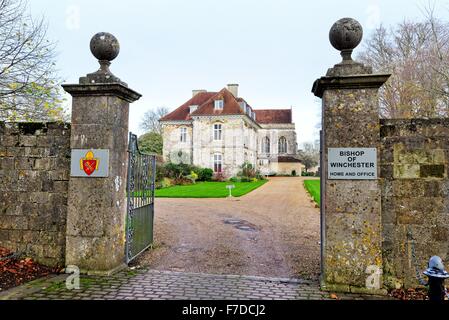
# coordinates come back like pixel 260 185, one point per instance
pixel 14 272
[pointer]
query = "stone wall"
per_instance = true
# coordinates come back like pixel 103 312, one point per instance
pixel 415 189
pixel 267 163
pixel 171 135
pixel 231 146
pixel 286 168
pixel 274 132
pixel 34 174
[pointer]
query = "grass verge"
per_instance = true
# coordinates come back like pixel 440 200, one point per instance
pixel 209 190
pixel 313 188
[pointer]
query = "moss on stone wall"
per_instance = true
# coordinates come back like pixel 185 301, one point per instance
pixel 415 189
pixel 34 174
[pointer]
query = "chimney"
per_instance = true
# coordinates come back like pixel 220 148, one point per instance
pixel 234 89
pixel 195 92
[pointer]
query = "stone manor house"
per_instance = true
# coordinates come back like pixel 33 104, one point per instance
pixel 221 131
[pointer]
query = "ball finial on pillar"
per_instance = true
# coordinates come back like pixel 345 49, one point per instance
pixel 104 46
pixel 345 35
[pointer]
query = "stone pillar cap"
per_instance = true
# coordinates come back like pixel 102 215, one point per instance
pixel 102 89
pixel 361 81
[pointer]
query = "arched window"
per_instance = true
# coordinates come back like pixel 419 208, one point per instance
pixel 282 145
pixel 266 145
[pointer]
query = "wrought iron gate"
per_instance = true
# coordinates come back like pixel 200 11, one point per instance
pixel 140 193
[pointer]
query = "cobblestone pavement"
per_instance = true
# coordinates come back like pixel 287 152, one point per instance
pixel 164 285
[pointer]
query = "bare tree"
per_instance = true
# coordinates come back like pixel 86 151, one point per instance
pixel 417 55
pixel 440 49
pixel 150 122
pixel 29 88
pixel 310 155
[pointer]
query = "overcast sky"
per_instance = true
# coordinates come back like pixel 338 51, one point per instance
pixel 274 49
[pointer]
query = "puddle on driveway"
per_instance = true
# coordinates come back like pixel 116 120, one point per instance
pixel 233 221
pixel 241 225
pixel 245 228
pixel 184 248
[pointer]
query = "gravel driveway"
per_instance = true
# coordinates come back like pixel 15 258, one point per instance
pixel 272 232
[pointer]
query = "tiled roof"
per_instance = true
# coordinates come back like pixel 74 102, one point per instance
pixel 183 112
pixel 206 107
pixel 231 105
pixel 276 116
pixel 287 160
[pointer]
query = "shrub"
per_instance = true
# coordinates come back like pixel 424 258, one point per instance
pixel 248 170
pixel 181 172
pixel 166 183
pixel 308 174
pixel 183 181
pixel 160 172
pixel 260 176
pixel 254 180
pixel 193 177
pixel 235 179
pixel 177 171
pixel 173 170
pixel 219 177
pixel 205 174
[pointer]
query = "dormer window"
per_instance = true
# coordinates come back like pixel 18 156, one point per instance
pixel 219 104
pixel 243 106
pixel 193 108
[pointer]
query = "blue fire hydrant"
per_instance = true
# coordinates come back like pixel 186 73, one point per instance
pixel 436 274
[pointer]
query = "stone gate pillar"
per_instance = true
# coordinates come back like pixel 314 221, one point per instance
pixel 95 238
pixel 351 210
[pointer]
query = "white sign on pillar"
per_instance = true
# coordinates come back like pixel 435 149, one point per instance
pixel 352 164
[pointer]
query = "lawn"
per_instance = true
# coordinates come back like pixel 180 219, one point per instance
pixel 313 187
pixel 209 190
